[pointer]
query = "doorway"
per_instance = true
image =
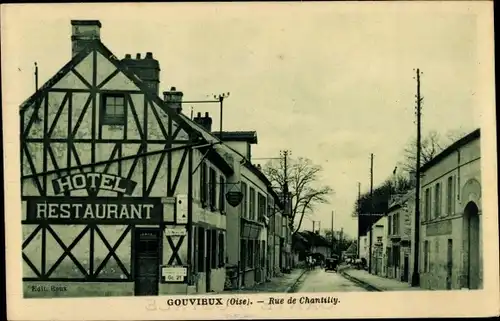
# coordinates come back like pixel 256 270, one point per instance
pixel 472 244
pixel 406 269
pixel 449 265
pixel 208 260
pixel 147 261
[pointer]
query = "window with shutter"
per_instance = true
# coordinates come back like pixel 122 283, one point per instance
pixel 196 249
pixel 222 250
pixel 212 189
pixel 244 201
pixel 252 204
pixel 213 250
pixel 201 249
pixel 222 194
pixel 203 184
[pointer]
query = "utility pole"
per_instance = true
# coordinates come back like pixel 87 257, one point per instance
pixel 284 154
pixel 415 279
pixel 221 98
pixel 359 223
pixel 36 76
pixel 371 215
pixel 332 238
pixel 341 237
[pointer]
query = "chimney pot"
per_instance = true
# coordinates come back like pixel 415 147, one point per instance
pixel 128 56
pixel 149 55
pixel 138 56
pixel 198 115
pixel 173 89
pixel 206 114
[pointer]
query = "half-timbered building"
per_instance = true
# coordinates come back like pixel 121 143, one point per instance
pixel 121 194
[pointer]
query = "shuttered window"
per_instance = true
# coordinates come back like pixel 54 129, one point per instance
pixel 222 250
pixel 213 250
pixel 252 204
pixel 222 194
pixel 201 249
pixel 244 201
pixel 213 189
pixel 203 184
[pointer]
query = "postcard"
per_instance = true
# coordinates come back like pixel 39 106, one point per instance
pixel 249 160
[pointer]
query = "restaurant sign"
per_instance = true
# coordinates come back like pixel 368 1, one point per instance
pixel 74 210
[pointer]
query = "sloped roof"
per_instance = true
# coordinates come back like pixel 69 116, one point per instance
pixel 450 149
pixel 314 239
pixel 197 133
pixel 245 136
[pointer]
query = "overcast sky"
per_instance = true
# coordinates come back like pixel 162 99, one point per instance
pixel 327 81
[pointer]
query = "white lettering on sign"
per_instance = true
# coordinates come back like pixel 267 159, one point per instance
pixel 93 181
pixel 93 211
pixel 174 274
pixel 174 270
pixel 175 232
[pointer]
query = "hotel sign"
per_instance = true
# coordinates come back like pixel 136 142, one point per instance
pixel 93 181
pixel 83 210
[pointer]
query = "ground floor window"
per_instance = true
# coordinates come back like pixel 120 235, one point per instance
pixel 426 256
pixel 200 246
pixel 222 249
pixel 213 249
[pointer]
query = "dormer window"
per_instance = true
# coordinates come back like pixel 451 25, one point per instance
pixel 113 109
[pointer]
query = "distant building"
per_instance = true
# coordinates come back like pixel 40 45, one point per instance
pixel 377 233
pixel 451 217
pixel 400 216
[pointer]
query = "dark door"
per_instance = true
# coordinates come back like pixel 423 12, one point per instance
pixel 449 265
pixel 147 263
pixel 208 259
pixel 406 268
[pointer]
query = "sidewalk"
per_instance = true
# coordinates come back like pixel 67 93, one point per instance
pixel 375 282
pixel 278 284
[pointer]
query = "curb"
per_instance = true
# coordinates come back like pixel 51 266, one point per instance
pixel 363 284
pixel 292 287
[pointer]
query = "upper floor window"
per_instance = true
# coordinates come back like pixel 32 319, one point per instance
pixel 213 189
pixel 389 226
pixel 222 192
pixel 252 204
pixel 262 206
pixel 203 184
pixel 437 200
pixel 427 206
pixel 244 201
pixel 449 197
pixel 113 109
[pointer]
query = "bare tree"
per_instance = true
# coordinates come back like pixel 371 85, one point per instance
pixel 306 192
pixel 431 145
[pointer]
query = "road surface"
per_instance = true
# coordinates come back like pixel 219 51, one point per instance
pixel 318 280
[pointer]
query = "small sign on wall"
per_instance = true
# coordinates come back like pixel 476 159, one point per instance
pixel 181 209
pixel 175 232
pixel 173 273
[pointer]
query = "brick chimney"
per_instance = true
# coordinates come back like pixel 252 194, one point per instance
pixel 173 99
pixel 147 69
pixel 84 32
pixel 205 122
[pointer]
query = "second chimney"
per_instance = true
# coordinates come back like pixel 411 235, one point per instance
pixel 83 32
pixel 173 99
pixel 205 122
